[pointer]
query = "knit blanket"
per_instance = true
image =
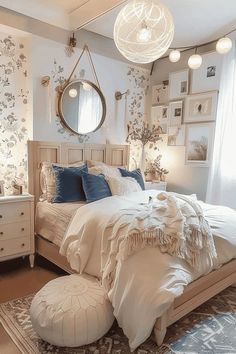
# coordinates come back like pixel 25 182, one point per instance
pixel 172 222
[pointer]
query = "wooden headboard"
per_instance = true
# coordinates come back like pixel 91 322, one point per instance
pixel 39 151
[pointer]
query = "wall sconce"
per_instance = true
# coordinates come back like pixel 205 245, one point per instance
pixel 119 95
pixel 45 81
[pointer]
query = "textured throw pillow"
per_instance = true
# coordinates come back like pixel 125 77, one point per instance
pixel 136 174
pixel 47 179
pixel 95 187
pixel 68 184
pixel 123 185
pixel 107 171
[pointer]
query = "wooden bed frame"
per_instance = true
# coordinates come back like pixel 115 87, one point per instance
pixel 194 294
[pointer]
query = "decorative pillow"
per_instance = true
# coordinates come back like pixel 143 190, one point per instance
pixel 107 171
pixel 95 187
pixel 136 174
pixel 47 179
pixel 123 185
pixel 68 184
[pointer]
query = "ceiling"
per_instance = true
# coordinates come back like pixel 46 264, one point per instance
pixel 196 21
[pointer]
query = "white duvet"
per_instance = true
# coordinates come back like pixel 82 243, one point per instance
pixel 146 283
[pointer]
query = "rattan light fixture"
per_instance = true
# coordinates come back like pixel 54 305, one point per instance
pixel 144 30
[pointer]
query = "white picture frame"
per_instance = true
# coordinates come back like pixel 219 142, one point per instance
pixel 160 116
pixel 176 135
pixel 2 192
pixel 207 77
pixel 160 94
pixel 201 107
pixel 175 113
pixel 178 84
pixel 198 142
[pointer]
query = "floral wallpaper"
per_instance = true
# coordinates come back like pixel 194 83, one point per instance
pixel 139 80
pixel 15 122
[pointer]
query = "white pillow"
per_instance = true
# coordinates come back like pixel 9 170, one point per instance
pixel 107 171
pixel 123 185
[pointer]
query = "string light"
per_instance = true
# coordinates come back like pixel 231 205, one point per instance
pixel 195 61
pixel 174 56
pixel 224 45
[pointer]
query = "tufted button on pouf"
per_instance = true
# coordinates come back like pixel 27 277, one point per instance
pixel 71 311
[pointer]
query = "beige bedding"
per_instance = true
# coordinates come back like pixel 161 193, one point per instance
pixel 52 219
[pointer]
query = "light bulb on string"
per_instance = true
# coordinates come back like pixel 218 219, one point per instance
pixel 224 45
pixel 174 56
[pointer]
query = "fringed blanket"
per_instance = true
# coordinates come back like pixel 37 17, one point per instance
pixel 172 222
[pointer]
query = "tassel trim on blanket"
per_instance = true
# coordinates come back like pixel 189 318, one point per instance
pixel 133 230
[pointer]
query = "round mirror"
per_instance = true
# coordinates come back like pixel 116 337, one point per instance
pixel 82 107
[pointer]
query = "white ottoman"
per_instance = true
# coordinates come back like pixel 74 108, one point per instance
pixel 71 311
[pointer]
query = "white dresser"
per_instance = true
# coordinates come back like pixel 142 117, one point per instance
pixel 160 186
pixel 17 227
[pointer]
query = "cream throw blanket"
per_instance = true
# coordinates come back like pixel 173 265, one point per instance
pixel 121 227
pixel 172 222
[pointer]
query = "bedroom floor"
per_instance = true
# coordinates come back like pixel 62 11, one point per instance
pixel 17 280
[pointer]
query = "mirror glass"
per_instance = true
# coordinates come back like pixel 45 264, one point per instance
pixel 82 107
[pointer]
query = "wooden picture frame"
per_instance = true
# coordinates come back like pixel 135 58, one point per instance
pixel 178 84
pixel 201 107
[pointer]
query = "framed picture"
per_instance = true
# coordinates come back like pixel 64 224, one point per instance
pixel 1 189
pixel 207 77
pixel 178 84
pixel 199 144
pixel 160 116
pixel 176 136
pixel 201 107
pixel 160 94
pixel 175 113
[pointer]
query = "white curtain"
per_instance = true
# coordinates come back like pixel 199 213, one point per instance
pixel 222 179
pixel 90 110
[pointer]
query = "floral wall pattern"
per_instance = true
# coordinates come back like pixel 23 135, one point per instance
pixel 139 80
pixel 15 120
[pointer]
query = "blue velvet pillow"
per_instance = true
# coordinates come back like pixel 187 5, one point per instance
pixel 68 184
pixel 95 187
pixel 136 174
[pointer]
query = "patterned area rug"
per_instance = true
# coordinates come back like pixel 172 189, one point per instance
pixel 210 329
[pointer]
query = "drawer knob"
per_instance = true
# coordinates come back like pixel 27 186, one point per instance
pixel 22 245
pixel 2 249
pixel 22 213
pixel 22 229
pixel 0 216
pixel 1 233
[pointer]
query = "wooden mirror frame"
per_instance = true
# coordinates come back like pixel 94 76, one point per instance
pixel 60 111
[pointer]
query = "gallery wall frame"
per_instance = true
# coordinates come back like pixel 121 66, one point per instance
pixel 178 84
pixel 201 107
pixel 207 77
pixel 199 144
pixel 160 94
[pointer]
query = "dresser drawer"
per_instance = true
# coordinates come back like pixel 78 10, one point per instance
pixel 14 212
pixel 14 230
pixel 14 246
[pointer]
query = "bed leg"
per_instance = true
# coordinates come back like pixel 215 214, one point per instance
pixel 160 329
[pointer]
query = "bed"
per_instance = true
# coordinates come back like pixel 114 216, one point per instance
pixel 196 293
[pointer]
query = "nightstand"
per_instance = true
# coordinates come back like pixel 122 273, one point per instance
pixel 160 186
pixel 17 227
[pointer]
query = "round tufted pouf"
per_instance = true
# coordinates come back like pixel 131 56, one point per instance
pixel 71 311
